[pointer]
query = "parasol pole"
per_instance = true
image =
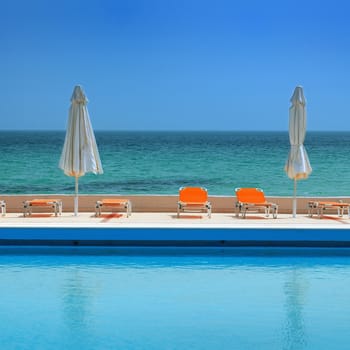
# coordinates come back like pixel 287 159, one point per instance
pixel 295 199
pixel 76 203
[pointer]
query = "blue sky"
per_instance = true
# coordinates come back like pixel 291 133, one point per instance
pixel 174 64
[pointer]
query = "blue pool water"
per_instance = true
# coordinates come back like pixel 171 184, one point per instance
pixel 112 298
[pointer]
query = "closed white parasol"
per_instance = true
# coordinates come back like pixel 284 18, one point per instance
pixel 80 154
pixel 298 165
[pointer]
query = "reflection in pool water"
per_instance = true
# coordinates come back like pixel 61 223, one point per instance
pixel 174 299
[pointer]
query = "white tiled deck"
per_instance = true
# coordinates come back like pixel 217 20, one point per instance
pixel 169 220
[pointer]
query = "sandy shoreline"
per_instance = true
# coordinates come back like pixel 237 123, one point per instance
pixel 158 203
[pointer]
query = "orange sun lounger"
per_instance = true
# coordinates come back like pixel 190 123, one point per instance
pixel 55 204
pixel 193 199
pixel 114 203
pixel 3 207
pixel 321 207
pixel 253 199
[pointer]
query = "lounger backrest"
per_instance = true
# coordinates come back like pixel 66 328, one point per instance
pixel 193 194
pixel 250 195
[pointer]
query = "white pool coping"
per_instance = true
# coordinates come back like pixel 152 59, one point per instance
pixel 169 220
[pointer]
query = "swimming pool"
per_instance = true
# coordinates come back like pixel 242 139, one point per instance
pixel 171 298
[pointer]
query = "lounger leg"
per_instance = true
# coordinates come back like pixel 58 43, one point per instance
pixel 26 209
pixel 342 211
pixel 244 212
pixel 237 210
pixel 209 212
pixel 275 211
pixel 54 207
pixel 58 208
pixel 320 211
pixel 128 209
pixel 310 209
pixel 98 209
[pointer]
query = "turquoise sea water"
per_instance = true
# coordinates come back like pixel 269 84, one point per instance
pixel 161 162
pixel 233 299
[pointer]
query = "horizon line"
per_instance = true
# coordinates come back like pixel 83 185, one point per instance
pixel 168 130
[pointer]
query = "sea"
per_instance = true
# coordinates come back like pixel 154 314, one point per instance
pixel 159 162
